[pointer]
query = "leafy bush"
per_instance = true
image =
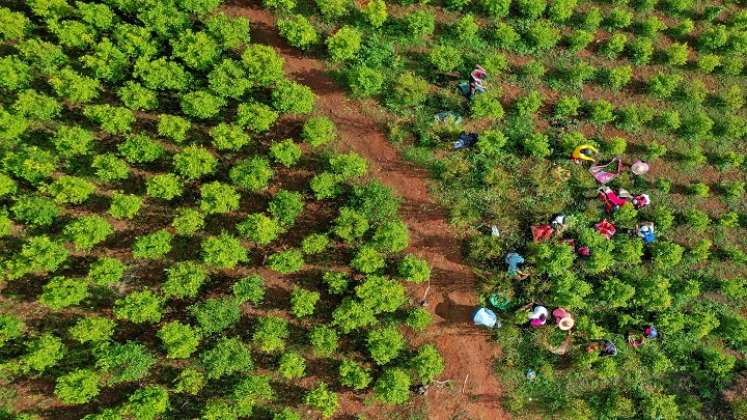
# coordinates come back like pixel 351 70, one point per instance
pixel 88 231
pixel 215 315
pixel 70 190
pixel 252 174
pixel 322 399
pixel 110 168
pixel 409 90
pixel 352 314
pixel 393 387
pixel 217 198
pixel 640 51
pixel 194 162
pixel 381 294
pixel 201 104
pixel 139 307
pixel 354 375
pixel 10 328
pixel 61 292
pixel 263 65
pixel 344 44
pixel 298 31
pixel 35 211
pixel 72 141
pixel 270 334
pixel 260 229
pixel 427 363
pixel 250 288
pixel 223 251
pixel 316 243
pixel 487 105
pixel 173 127
pixel 286 262
pixel 227 356
pixel 323 340
pixel 368 260
pixel 418 319
pixel 190 381
pixel 445 58
pixel 256 116
pixel 336 282
pixel 286 152
pixel 183 280
pixel 303 302
pixel 77 387
pixel 93 329
pixel 152 246
pixel 126 362
pixel 414 269
pixel 180 340
pixel 105 271
pixel 124 206
pixel 291 366
pixel 164 186
pixel 294 98
pixel 139 148
pixel 385 344
pixel 541 35
pixel 420 23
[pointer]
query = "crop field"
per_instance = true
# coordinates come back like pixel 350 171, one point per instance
pixel 285 209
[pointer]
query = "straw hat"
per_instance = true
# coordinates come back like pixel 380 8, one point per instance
pixel 566 323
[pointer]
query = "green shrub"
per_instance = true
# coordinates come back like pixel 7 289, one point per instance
pixel 385 344
pixel 187 221
pixel 323 340
pixel 381 294
pixel 201 104
pixel 537 145
pixel 316 243
pixel 183 280
pixel 270 334
pixel 223 251
pixel 351 315
pixel 10 328
pixel 286 152
pixel 126 362
pixel 92 329
pixel 337 282
pixel 139 307
pixel 190 381
pixel 180 340
pixel 194 162
pixel 614 46
pixel 105 271
pixel 427 363
pixel 139 148
pixel 640 51
pixel 294 98
pixel 562 10
pixel 110 168
pixel 77 387
pixel 137 97
pixel 541 35
pixel 298 31
pixel 487 105
pixel 531 9
pixel 368 260
pixel 152 246
pixel 217 198
pixel 393 387
pixel 260 229
pixel 87 231
pixel 124 206
pixel 229 137
pixel 414 269
pixel 256 116
pixel 505 35
pixel 61 292
pixel 72 141
pixel 409 90
pixel 445 58
pixel 303 302
pixel 354 375
pixel 227 356
pixel 70 190
pixel 252 174
pixel 418 319
pixel 318 131
pixel 291 366
pixel 286 262
pixel 420 23
pixel 263 65
pixel 375 13
pixel 344 44
pixel 228 79
pixel 215 315
pixel 322 399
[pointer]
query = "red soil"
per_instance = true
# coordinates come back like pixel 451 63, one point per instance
pixel 468 353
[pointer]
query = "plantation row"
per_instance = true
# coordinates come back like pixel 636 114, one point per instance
pixel 178 238
pixel 666 88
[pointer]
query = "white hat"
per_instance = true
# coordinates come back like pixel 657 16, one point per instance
pixel 639 167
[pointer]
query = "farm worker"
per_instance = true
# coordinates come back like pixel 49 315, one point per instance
pixel 646 232
pixel 531 374
pixel 584 251
pixel 609 348
pixel 475 80
pixel 538 317
pixel 558 224
pixel 635 340
pixel 641 201
pixel 605 228
pixel 612 201
pixel 541 232
pixel 639 168
pixel 650 332
pixel 514 260
pixel 584 152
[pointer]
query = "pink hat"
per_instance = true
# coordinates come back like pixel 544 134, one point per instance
pixel 639 167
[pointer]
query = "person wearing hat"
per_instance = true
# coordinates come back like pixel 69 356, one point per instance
pixel 584 152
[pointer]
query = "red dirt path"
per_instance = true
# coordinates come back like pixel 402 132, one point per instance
pixel 467 351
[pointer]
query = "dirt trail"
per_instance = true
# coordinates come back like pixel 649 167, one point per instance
pixel 467 351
